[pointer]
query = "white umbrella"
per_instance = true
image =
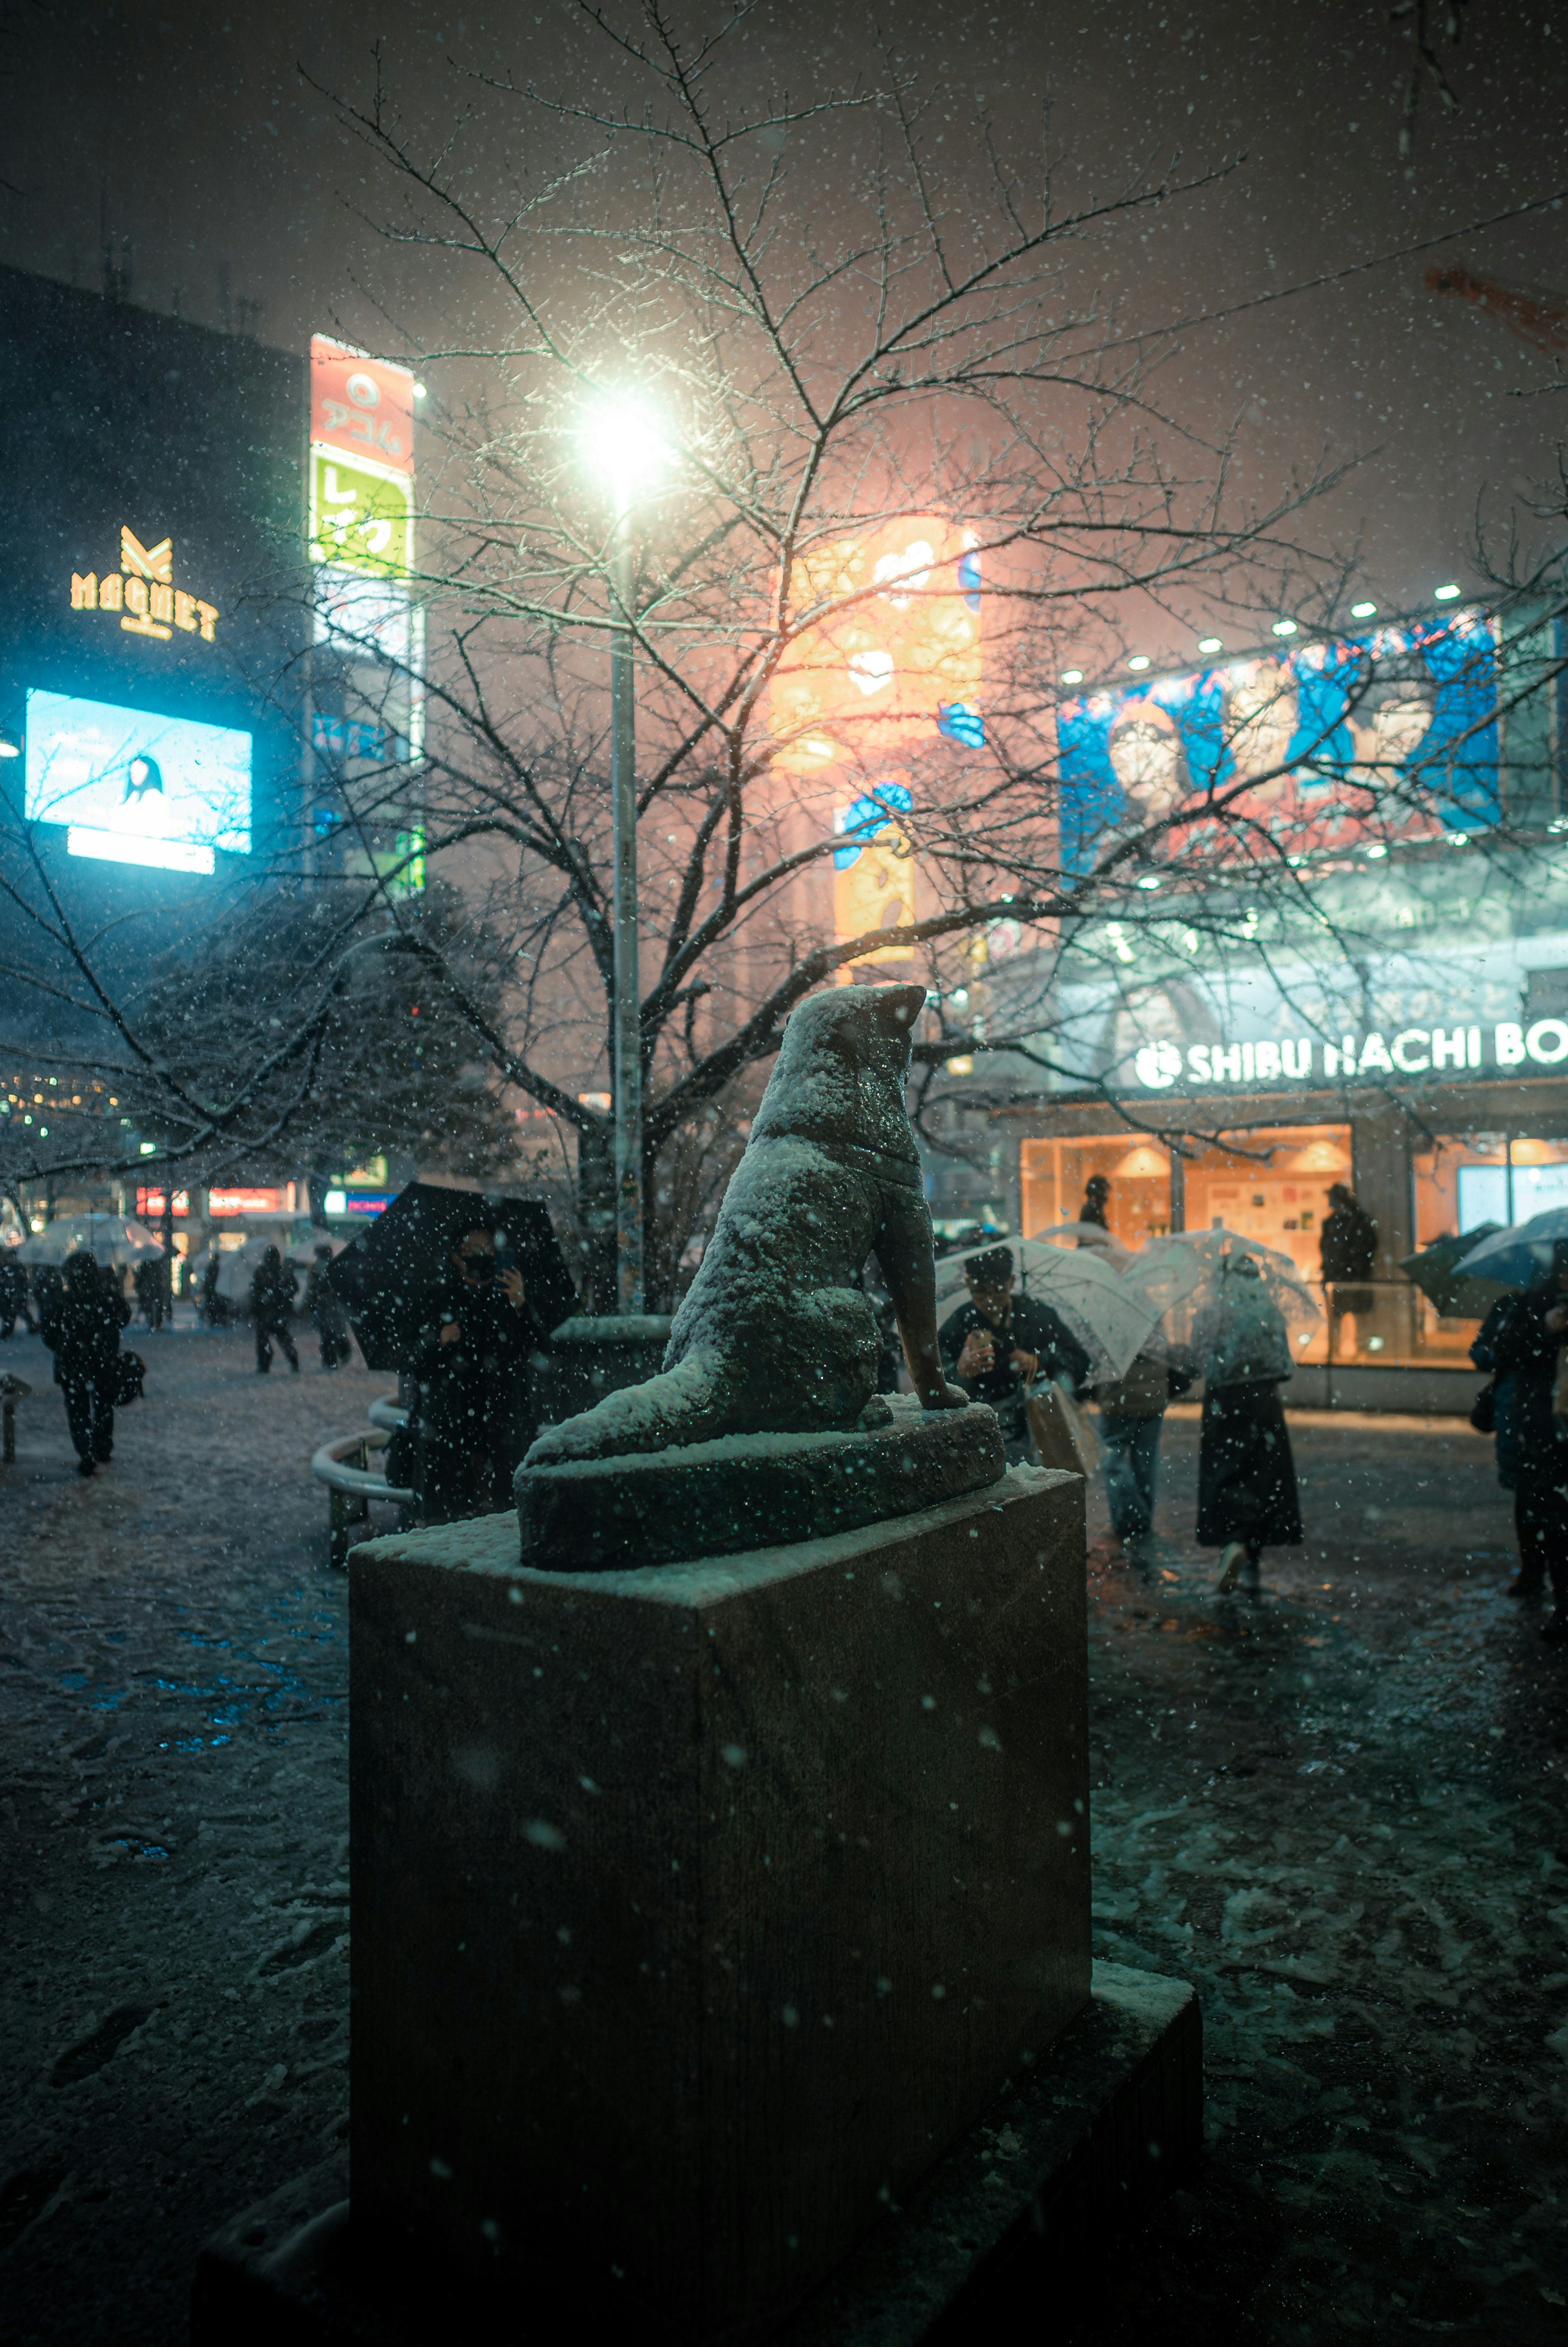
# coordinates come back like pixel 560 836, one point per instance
pixel 1180 1275
pixel 112 1238
pixel 1110 1320
pixel 1088 1235
pixel 238 1265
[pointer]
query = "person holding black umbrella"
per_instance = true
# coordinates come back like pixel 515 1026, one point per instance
pixel 470 1371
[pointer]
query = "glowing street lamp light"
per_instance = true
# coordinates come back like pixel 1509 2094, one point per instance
pixel 622 443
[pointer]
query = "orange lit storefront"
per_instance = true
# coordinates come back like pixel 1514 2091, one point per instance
pixel 1458 1157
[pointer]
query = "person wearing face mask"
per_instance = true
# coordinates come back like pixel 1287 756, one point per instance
pixel 470 1373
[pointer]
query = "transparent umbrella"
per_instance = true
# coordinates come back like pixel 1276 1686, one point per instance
pixel 1110 1320
pixel 112 1238
pixel 1186 1273
pixel 1517 1255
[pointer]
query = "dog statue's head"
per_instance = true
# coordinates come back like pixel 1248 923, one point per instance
pixel 840 1071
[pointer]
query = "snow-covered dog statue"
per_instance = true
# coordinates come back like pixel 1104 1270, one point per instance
pixel 776 1335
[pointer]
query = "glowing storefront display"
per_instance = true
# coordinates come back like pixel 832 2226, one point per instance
pixel 1463 1180
pixel 132 787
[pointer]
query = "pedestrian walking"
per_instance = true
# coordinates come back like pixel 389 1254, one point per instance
pixel 49 1296
pixel 1530 1348
pixel 13 1306
pixel 148 1279
pixel 327 1314
pixel 1347 1250
pixel 273 1286
pixel 473 1417
pixel 84 1337
pixel 1493 1415
pixel 997 1343
pixel 1132 1414
pixel 1248 1498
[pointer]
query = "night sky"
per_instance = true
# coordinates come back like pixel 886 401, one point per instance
pixel 194 133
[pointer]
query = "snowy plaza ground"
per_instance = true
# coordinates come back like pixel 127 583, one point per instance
pixel 1338 1811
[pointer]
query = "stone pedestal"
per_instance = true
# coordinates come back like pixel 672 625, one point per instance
pixel 698 1909
pixel 1012 2224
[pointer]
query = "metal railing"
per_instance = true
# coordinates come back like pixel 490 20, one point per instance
pixel 1385 1324
pixel 343 1466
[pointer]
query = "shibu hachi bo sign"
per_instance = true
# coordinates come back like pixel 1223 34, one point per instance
pixel 1300 1059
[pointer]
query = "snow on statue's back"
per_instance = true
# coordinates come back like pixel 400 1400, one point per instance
pixel 776 1335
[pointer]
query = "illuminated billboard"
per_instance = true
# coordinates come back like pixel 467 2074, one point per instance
pixel 135 788
pixel 1331 730
pixel 897 663
pixel 874 871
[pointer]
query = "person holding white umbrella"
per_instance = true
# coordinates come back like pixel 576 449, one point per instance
pixel 1529 1348
pixel 997 1343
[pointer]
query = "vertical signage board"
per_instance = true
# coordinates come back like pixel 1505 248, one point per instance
pixel 362 539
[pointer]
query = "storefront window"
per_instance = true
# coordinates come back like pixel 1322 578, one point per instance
pixel 1057 1172
pixel 1466 1179
pixel 1273 1185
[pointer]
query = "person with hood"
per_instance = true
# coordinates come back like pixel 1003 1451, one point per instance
pixel 997 1343
pixel 326 1311
pixel 1528 1347
pixel 84 1337
pixel 1248 1498
pixel 472 1420
pixel 273 1286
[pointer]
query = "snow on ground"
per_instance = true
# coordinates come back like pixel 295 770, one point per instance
pixel 1338 1811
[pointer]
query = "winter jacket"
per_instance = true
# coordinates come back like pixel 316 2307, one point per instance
pixel 1526 1349
pixel 272 1291
pixel 1483 1353
pixel 1031 1327
pixel 84 1337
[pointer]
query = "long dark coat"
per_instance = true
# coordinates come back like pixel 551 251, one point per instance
pixel 1247 1474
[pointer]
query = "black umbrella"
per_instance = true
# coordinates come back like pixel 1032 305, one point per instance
pixel 393 1276
pixel 1438 1272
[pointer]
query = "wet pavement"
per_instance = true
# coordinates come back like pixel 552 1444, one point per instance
pixel 1337 1810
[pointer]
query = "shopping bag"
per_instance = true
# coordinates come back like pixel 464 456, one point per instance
pixel 1062 1437
pixel 1560 1386
pixel 131 1370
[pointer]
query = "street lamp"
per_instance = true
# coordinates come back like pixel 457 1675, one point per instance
pixel 622 442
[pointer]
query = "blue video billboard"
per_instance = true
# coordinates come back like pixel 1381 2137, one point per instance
pixel 134 788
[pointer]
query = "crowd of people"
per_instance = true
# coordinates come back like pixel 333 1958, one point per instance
pixel 472 1415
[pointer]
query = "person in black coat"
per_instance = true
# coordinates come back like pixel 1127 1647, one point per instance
pixel 14 1303
pixel 1527 1348
pixel 997 1343
pixel 473 1418
pixel 273 1286
pixel 1247 1497
pixel 1346 1251
pixel 327 1314
pixel 84 1336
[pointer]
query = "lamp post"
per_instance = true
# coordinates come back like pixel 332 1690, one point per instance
pixel 624 443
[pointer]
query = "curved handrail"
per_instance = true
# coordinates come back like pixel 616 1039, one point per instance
pixel 330 1466
pixel 388 1412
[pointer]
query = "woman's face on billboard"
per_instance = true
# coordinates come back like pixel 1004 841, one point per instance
pixel 1260 721
pixel 1146 760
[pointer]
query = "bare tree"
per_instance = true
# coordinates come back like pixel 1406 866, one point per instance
pixel 883 400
